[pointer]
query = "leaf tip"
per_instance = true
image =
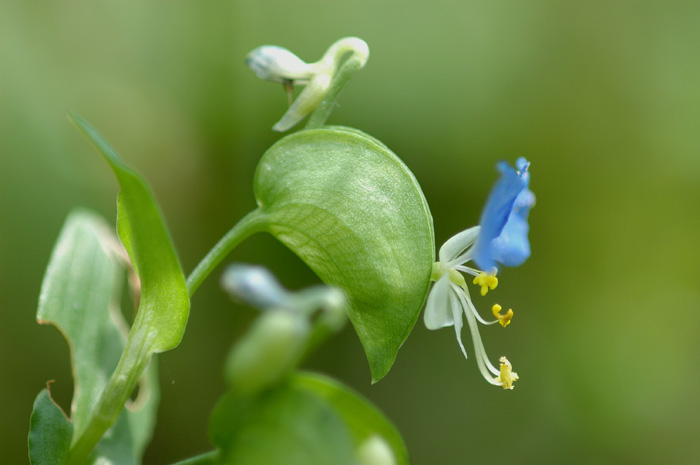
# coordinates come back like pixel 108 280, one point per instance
pixel 76 119
pixel 380 368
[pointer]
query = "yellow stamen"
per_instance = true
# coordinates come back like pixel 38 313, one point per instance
pixel 503 319
pixel 507 376
pixel 486 281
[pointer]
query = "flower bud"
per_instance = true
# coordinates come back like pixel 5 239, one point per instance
pixel 254 285
pixel 375 451
pixel 278 64
pixel 268 352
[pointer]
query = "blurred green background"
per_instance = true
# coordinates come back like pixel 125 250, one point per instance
pixel 602 97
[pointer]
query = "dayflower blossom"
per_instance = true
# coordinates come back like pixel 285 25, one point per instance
pixel 504 227
pixel 501 238
pixel 278 64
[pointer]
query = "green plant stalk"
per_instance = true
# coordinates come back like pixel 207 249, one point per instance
pixel 253 222
pixel 208 458
pixel 325 108
pixel 138 351
pixel 135 359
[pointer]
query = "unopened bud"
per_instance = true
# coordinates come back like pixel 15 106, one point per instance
pixel 254 285
pixel 375 451
pixel 278 64
pixel 268 352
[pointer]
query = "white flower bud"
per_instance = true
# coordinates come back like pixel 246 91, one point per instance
pixel 375 451
pixel 254 285
pixel 278 64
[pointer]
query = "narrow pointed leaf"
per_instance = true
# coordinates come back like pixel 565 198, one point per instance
pixel 164 299
pixel 164 305
pixel 348 207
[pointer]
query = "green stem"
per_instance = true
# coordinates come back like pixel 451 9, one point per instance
pixel 207 458
pixel 134 360
pixel 251 223
pixel 325 108
pixel 138 351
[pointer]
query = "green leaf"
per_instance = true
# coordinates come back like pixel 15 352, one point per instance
pixel 80 297
pixel 362 418
pixel 348 207
pixel 284 425
pixel 164 299
pixel 164 305
pixel 81 283
pixel 50 432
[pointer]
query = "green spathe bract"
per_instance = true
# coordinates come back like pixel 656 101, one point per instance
pixel 362 419
pixel 348 207
pixel 309 419
pixel 284 425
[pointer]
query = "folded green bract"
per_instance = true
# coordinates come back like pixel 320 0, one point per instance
pixel 308 420
pixel 350 208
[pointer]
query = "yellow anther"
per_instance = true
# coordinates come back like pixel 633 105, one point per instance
pixel 507 376
pixel 503 319
pixel 486 281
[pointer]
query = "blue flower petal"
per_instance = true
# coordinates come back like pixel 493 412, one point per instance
pixel 504 228
pixel 512 246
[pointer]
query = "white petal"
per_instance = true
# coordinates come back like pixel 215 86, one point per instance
pixel 438 310
pixel 457 244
